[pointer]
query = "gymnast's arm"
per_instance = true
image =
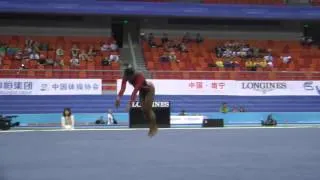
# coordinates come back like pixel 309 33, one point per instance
pixel 123 88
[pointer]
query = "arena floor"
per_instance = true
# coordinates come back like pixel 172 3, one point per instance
pixel 174 154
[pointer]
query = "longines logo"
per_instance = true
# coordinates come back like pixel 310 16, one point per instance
pixel 155 104
pixel 264 87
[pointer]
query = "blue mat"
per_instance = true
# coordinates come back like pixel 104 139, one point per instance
pixel 207 154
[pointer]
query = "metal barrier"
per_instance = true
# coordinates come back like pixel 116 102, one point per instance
pixel 111 75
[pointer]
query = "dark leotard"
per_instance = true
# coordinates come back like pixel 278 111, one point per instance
pixel 139 83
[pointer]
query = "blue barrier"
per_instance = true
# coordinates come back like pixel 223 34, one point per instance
pixel 162 9
pixel 229 118
pixel 194 104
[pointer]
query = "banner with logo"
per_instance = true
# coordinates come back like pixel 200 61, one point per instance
pixel 231 87
pixel 312 87
pixel 186 87
pixel 50 86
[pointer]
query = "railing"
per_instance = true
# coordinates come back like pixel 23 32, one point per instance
pixel 111 75
pixel 237 75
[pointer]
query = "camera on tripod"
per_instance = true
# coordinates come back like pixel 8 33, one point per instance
pixel 6 122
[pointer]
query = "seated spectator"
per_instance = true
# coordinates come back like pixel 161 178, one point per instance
pixel 219 52
pixel 270 64
pixel 244 51
pixel 11 51
pixel 262 63
pixel 91 51
pixel 1 57
pixel 199 39
pixel 306 41
pixel 49 61
pixel 110 118
pixel 152 43
pixel 43 46
pixel 186 38
pixel 105 61
pixel 164 38
pixel 150 37
pixel 172 56
pixel 143 36
pixel 59 62
pixel 228 63
pixel 28 42
pixel 34 56
pixel 114 58
pixel 165 57
pixel 183 113
pixel 269 122
pixel 3 49
pixel 105 47
pixel 83 56
pixel 241 109
pixel 35 47
pixel 256 52
pixel 268 58
pixel 249 65
pixel 235 109
pixel 114 46
pixel 286 59
pixel 177 44
pixel 59 52
pixel 28 50
pixel 19 55
pixel 227 53
pixel 67 119
pixel 183 48
pixel 219 64
pixel 74 61
pixel 235 63
pixel 100 120
pixel 42 60
pixel 170 44
pixel 75 51
pixel 224 108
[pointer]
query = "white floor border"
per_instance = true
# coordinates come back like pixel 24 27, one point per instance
pixel 143 129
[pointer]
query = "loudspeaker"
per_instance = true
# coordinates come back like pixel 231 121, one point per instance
pixel 161 110
pixel 213 123
pixel 5 125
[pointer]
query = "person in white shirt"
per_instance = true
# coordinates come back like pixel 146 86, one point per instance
pixel 34 56
pixel 285 59
pixel 75 61
pixel 105 47
pixel 114 46
pixel 268 58
pixel 113 58
pixel 110 118
pixel 67 119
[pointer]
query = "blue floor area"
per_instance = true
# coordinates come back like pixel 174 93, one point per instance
pixel 192 104
pixel 224 154
pixel 229 118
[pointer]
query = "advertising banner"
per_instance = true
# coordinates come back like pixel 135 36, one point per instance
pixel 232 88
pixel 50 86
pixel 186 87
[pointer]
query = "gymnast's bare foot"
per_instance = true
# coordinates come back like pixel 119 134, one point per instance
pixel 153 131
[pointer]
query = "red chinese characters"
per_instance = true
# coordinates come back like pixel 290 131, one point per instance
pixel 216 85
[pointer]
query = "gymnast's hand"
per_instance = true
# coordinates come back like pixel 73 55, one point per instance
pixel 117 103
